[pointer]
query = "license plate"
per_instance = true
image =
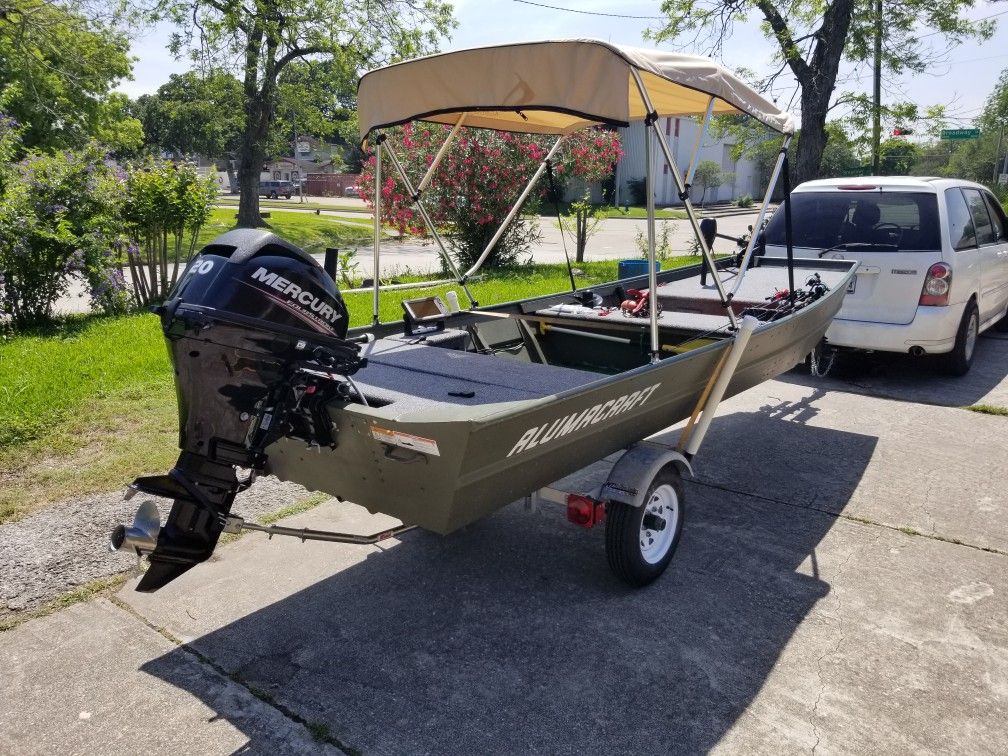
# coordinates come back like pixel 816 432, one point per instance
pixel 852 285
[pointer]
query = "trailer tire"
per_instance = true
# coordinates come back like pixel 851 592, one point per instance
pixel 639 555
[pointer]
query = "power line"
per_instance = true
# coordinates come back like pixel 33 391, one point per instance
pixel 589 13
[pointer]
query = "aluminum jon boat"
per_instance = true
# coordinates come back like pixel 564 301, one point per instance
pixel 451 414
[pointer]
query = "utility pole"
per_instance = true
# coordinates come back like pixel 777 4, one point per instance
pixel 296 164
pixel 997 157
pixel 877 104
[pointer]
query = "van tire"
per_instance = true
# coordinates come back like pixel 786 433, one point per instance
pixel 1002 325
pixel 958 361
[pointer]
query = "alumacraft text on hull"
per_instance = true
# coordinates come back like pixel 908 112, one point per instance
pixel 446 417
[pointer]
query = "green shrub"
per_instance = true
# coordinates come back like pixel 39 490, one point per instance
pixel 165 207
pixel 663 241
pixel 745 201
pixel 59 218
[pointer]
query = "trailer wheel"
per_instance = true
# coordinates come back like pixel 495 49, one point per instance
pixel 640 541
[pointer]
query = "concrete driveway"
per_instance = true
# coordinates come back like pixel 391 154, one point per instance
pixel 840 587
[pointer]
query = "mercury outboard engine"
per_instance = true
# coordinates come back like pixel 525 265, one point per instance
pixel 256 332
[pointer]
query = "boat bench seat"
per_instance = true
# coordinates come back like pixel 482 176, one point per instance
pixel 417 375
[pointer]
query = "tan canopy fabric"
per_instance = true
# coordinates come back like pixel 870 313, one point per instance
pixel 554 87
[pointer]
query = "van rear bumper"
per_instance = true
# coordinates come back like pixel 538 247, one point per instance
pixel 933 329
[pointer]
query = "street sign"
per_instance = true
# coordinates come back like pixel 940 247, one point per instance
pixel 960 133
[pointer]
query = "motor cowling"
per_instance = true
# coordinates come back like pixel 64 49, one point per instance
pixel 258 275
pixel 256 332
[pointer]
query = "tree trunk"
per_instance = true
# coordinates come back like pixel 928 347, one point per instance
pixel 251 157
pixel 812 141
pixel 816 76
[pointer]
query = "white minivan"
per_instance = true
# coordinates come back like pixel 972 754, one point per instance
pixel 933 253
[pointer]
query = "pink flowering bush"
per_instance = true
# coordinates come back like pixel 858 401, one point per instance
pixel 479 179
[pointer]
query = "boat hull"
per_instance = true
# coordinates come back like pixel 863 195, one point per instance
pixel 466 465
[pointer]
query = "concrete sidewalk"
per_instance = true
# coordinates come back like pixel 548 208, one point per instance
pixel 839 588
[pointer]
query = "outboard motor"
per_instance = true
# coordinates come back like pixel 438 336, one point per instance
pixel 256 333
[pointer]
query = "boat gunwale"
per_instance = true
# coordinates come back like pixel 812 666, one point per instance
pixel 535 404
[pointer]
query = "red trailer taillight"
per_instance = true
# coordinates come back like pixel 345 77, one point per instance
pixel 937 285
pixel 584 510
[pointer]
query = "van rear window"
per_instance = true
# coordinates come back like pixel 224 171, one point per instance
pixel 907 220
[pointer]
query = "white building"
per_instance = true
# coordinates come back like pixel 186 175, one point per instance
pixel 681 134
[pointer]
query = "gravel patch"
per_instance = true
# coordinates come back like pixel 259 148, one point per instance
pixel 66 545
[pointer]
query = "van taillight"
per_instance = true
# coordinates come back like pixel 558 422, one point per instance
pixel 937 285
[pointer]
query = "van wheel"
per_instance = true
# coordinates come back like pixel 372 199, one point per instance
pixel 958 361
pixel 272 195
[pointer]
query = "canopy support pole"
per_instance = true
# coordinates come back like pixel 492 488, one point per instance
pixel 514 210
pixel 440 154
pixel 377 226
pixel 652 122
pixel 449 263
pixel 744 265
pixel 789 236
pixel 699 141
pixel 652 267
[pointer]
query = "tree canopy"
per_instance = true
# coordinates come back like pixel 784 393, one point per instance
pixel 813 37
pixel 58 66
pixel 260 40
pixel 193 114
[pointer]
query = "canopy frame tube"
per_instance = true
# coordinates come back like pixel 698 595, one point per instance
pixel 691 169
pixel 377 230
pixel 652 266
pixel 449 140
pixel 514 210
pixel 651 121
pixel 418 202
pixel 771 185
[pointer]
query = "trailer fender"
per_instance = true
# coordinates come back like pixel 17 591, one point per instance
pixel 630 477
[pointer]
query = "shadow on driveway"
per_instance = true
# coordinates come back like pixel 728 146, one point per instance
pixel 920 379
pixel 512 636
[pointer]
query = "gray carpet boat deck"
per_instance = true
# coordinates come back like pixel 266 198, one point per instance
pixel 690 307
pixel 420 376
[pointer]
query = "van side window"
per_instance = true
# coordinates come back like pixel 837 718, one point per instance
pixel 997 217
pixel 981 218
pixel 960 223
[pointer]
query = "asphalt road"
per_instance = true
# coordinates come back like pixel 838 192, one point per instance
pixel 839 588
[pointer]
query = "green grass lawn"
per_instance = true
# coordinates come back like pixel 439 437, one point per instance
pixel 313 233
pixel 80 408
pixel 89 405
pixel 268 204
pixel 640 213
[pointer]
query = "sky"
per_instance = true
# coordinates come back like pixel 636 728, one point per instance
pixel 962 83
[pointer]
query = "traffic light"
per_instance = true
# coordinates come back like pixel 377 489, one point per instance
pixel 902 132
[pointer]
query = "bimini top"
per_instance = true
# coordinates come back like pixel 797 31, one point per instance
pixel 554 87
